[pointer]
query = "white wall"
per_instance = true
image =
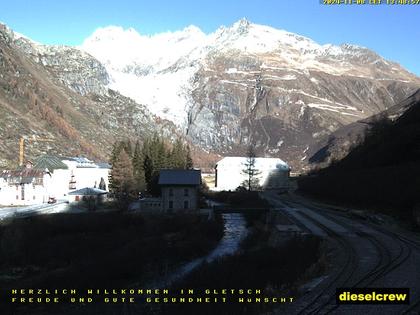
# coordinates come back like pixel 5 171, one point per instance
pixel 58 185
pixel 274 173
pixel 88 177
pixel 12 194
pixel 54 185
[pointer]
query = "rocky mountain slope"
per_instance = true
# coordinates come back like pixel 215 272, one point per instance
pixel 60 94
pixel 250 83
pixel 338 144
pixel 242 84
pixel 382 171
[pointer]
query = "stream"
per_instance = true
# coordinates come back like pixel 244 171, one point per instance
pixel 235 231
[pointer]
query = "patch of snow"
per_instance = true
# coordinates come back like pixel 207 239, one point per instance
pixel 285 77
pixel 350 114
pixel 337 109
pixel 388 79
pixel 236 71
pixel 165 94
pixel 264 66
pixel 326 107
pixel 118 48
pixel 302 110
pixel 234 82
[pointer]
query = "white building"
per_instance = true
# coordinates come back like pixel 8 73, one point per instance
pixel 83 173
pixel 273 173
pixel 50 176
pixel 26 186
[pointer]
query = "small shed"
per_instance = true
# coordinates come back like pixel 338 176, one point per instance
pixel 90 196
pixel 179 189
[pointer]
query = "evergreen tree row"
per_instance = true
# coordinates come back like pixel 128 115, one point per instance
pixel 135 168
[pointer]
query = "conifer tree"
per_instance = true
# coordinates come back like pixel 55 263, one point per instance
pixel 177 155
pixel 148 172
pixel 138 168
pixel 102 184
pixel 121 179
pixel 252 181
pixel 116 149
pixel 128 148
pixel 188 159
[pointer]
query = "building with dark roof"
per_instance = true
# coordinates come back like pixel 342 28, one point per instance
pixel 179 189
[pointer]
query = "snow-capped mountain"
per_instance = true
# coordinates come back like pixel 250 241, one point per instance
pixel 249 82
pixel 159 70
pixel 240 84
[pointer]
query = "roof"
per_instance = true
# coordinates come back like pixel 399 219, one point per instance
pixel 50 162
pixel 88 191
pixel 103 165
pixel 180 177
pixel 260 162
pixel 82 162
pixel 22 176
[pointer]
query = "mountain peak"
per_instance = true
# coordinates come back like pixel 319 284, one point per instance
pixel 192 29
pixel 242 26
pixel 113 32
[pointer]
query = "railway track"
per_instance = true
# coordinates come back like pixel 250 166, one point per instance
pixel 389 258
pixel 341 277
pixel 407 245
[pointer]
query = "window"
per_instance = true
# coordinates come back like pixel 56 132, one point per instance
pixel 171 192
pixel 171 204
pixel 186 204
pixel 186 192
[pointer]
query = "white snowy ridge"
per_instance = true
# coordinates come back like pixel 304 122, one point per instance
pixel 157 70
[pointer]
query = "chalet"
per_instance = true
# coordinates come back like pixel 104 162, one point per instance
pixel 273 173
pixel 179 189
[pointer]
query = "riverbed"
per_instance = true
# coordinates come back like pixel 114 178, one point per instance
pixel 235 231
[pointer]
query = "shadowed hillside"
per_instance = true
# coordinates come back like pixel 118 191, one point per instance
pixel 382 172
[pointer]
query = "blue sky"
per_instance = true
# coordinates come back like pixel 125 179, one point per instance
pixel 392 31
